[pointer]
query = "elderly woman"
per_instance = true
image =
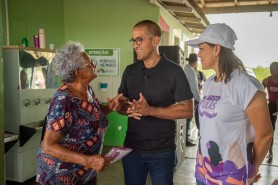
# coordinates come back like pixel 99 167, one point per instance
pixel 76 123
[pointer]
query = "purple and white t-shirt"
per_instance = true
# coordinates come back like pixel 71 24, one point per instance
pixel 225 149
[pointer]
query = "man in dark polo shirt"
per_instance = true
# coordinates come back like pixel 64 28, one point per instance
pixel 157 92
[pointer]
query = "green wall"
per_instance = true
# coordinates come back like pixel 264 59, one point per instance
pixel 107 23
pixel 26 17
pixel 96 24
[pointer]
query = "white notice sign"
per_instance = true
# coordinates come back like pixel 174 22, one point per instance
pixel 107 60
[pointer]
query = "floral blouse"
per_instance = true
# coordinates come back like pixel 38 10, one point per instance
pixel 82 125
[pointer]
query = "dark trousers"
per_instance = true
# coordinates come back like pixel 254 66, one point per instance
pixel 159 166
pixel 272 107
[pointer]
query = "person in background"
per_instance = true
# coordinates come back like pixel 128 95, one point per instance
pixel 201 79
pixel 156 92
pixel 271 85
pixel 70 152
pixel 235 128
pixel 193 81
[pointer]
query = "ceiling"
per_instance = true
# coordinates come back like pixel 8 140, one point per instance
pixel 192 13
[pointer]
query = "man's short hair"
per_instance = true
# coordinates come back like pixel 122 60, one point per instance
pixel 153 28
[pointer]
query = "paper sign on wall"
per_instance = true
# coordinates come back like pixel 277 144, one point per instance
pixel 107 60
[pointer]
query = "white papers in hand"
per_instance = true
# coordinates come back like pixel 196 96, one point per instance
pixel 117 153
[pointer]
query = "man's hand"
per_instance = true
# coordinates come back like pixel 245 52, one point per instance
pixel 139 108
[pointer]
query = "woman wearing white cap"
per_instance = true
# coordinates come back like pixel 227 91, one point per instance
pixel 235 127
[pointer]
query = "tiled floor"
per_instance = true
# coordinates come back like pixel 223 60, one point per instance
pixel 185 174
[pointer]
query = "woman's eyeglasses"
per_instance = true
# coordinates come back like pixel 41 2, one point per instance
pixel 92 63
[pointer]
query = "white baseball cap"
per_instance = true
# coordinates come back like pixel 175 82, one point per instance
pixel 218 33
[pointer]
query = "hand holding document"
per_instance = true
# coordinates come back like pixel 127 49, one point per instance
pixel 117 153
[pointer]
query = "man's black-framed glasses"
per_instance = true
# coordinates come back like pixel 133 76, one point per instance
pixel 139 40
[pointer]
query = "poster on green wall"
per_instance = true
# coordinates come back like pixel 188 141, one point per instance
pixel 107 60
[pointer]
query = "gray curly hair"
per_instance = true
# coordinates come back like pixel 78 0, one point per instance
pixel 68 59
